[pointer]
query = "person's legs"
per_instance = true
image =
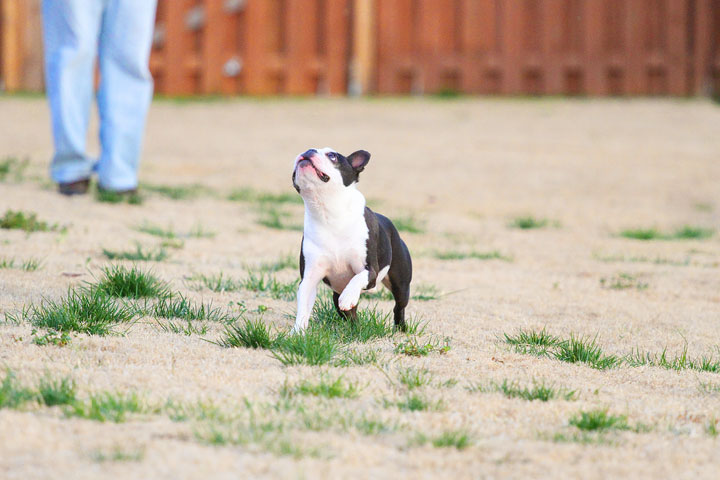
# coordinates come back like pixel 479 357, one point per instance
pixel 125 89
pixel 71 29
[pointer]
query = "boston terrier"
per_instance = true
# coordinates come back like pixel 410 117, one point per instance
pixel 345 244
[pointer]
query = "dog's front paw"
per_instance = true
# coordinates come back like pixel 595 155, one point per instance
pixel 348 300
pixel 299 327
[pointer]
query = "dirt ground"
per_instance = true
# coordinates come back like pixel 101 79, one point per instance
pixel 463 169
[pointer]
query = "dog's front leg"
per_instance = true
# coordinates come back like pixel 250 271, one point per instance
pixel 307 291
pixel 350 296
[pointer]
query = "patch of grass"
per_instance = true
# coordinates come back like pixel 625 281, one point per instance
pixel 679 362
pixel 414 402
pixel 689 232
pixel 107 407
pixel 709 387
pixel 642 234
pixel 51 337
pixel 13 167
pixel 182 327
pixel 326 387
pixel 350 357
pixel 409 224
pixel 643 259
pixel 598 420
pixel 371 426
pixel 123 282
pixel 583 350
pixel 118 454
pixel 140 254
pixel 177 192
pixel 459 439
pixel 85 311
pixel 12 394
pixel 274 218
pixel 157 231
pixel 462 255
pixel 179 307
pixel 216 283
pixel 686 232
pixel 29 265
pixel 582 438
pixel 198 231
pixel 109 196
pixel 538 391
pixel 250 334
pixel 314 347
pixel 533 342
pixel 529 222
pixel 286 261
pixel 371 323
pixel 414 378
pixel 623 281
pixel 266 283
pixel 250 195
pixel 54 392
pixel 414 348
pixel 711 427
pixel 25 221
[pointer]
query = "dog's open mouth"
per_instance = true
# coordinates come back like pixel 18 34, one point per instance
pixel 322 176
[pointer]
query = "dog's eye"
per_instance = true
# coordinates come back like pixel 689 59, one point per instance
pixel 331 156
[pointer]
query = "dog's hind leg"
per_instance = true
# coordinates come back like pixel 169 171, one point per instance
pixel 401 294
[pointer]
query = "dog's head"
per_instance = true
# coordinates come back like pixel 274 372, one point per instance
pixel 324 168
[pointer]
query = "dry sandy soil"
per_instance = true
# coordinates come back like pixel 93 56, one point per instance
pixel 464 169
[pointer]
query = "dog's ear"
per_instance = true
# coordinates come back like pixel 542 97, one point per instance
pixel 358 160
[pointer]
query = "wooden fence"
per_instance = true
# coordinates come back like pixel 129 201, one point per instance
pixel 593 47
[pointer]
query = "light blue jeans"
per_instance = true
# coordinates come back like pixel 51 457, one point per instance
pixel 119 33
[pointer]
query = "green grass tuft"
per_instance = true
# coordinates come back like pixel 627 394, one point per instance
pixel 29 265
pixel 679 362
pixel 249 195
pixel 529 222
pixel 123 282
pixel 13 395
pixel 459 439
pixel 274 218
pixel 325 387
pixel 414 402
pixel 414 348
pixel 533 342
pixel 85 311
pixel 462 255
pixel 28 222
pixel 177 192
pixel 140 254
pixel 266 283
pixel 539 391
pixel 109 196
pixel 414 378
pixel 179 307
pixel 409 224
pixel 686 232
pixel 598 420
pixel 250 334
pixel 216 283
pixel 12 167
pixel 623 281
pixel 314 347
pixel 107 407
pixel 54 392
pixel 579 349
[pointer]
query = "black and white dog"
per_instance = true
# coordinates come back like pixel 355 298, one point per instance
pixel 345 244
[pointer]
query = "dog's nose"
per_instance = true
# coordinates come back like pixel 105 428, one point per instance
pixel 308 154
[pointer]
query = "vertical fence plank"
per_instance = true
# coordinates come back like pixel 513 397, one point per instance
pixel 635 47
pixel 395 44
pixel 552 41
pixel 702 53
pixel 212 47
pixel 337 50
pixel 300 24
pixel 177 49
pixel 257 17
pixel 595 54
pixel 511 22
pixel 676 55
pixel 12 13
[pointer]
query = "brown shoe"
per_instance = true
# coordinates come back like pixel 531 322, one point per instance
pixel 78 187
